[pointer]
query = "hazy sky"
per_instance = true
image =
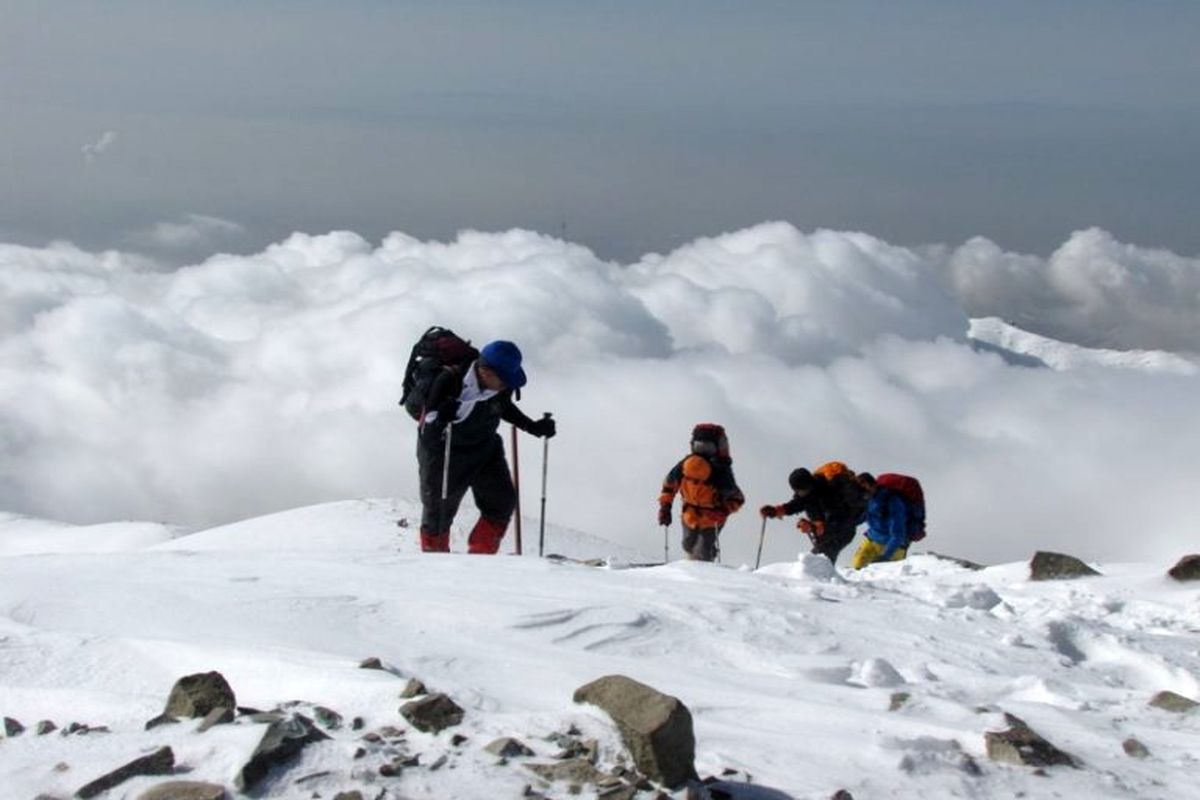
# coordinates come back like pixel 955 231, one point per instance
pixel 636 125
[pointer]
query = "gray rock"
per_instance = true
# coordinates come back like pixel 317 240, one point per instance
pixel 327 718
pixel 197 695
pixel 371 663
pixel 898 700
pixel 412 689
pixel 45 726
pixel 1188 569
pixel 655 727
pixel 508 747
pixel 12 727
pixel 1057 566
pixel 1170 701
pixel 184 790
pixel 433 713
pixel 283 741
pixel 1134 749
pixel 160 762
pixel 354 794
pixel 1022 746
pixel 576 771
pixel 221 715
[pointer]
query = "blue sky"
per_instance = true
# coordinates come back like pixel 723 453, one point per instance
pixel 628 126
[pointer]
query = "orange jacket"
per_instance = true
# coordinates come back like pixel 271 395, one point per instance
pixel 709 491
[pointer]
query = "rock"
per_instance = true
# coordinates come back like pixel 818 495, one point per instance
pixel 354 794
pixel 412 689
pixel 184 790
pixel 160 762
pixel 898 700
pixel 433 713
pixel 161 719
pixel 283 740
pixel 1047 566
pixel 45 726
pixel 12 727
pixel 575 771
pixel 1022 746
pixel 327 718
pixel 371 663
pixel 1188 569
pixel 221 715
pixel 1170 701
pixel 655 727
pixel 1134 749
pixel 197 695
pixel 841 794
pixel 508 747
pixel 458 740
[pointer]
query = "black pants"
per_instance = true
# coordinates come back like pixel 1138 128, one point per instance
pixel 700 544
pixel 837 535
pixel 481 468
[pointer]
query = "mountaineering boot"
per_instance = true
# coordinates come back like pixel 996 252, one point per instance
pixel 435 542
pixel 486 535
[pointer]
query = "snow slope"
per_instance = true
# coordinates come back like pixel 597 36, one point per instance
pixel 1063 355
pixel 789 671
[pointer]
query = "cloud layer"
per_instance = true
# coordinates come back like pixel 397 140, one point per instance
pixel 245 384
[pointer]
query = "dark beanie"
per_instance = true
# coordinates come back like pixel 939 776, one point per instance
pixel 801 480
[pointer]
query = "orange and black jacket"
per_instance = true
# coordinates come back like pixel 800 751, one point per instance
pixel 708 490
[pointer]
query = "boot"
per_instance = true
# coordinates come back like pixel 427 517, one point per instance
pixel 486 535
pixel 435 542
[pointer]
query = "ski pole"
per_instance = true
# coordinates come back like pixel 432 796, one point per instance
pixel 516 487
pixel 542 522
pixel 762 534
pixel 442 524
pixel 666 546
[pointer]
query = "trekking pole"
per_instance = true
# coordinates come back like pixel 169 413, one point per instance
pixel 666 546
pixel 445 484
pixel 517 487
pixel 542 522
pixel 762 534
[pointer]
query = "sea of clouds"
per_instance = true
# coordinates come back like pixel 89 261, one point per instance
pixel 250 383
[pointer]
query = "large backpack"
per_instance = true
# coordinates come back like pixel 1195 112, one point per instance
pixel 910 489
pixel 437 348
pixel 709 439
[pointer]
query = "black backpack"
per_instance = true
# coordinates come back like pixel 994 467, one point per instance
pixel 436 349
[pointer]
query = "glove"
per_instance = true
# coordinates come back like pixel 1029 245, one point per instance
pixel 664 515
pixel 770 512
pixel 805 525
pixel 447 410
pixel 543 428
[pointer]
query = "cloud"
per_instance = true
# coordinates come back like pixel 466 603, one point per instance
pixel 244 384
pixel 101 145
pixel 192 231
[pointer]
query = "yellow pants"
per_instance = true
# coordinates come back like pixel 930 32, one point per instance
pixel 869 552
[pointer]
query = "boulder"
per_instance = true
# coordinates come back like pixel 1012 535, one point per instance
pixel 1022 746
pixel 432 713
pixel 1135 749
pixel 412 689
pixel 656 727
pixel 283 740
pixel 184 790
pixel 1047 566
pixel 1188 569
pixel 160 762
pixel 370 663
pixel 197 695
pixel 45 726
pixel 12 727
pixel 1170 701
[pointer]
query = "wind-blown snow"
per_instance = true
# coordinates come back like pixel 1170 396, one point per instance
pixel 789 671
pixel 250 383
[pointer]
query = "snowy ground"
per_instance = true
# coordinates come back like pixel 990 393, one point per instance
pixel 789 671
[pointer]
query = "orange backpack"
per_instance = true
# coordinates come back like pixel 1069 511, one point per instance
pixel 834 470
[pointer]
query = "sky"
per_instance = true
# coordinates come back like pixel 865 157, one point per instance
pixel 897 671
pixel 629 127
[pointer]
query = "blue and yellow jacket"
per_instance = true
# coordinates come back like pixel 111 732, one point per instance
pixel 887 521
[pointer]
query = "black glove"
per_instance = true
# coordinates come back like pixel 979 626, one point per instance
pixel 664 514
pixel 770 512
pixel 447 410
pixel 543 428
